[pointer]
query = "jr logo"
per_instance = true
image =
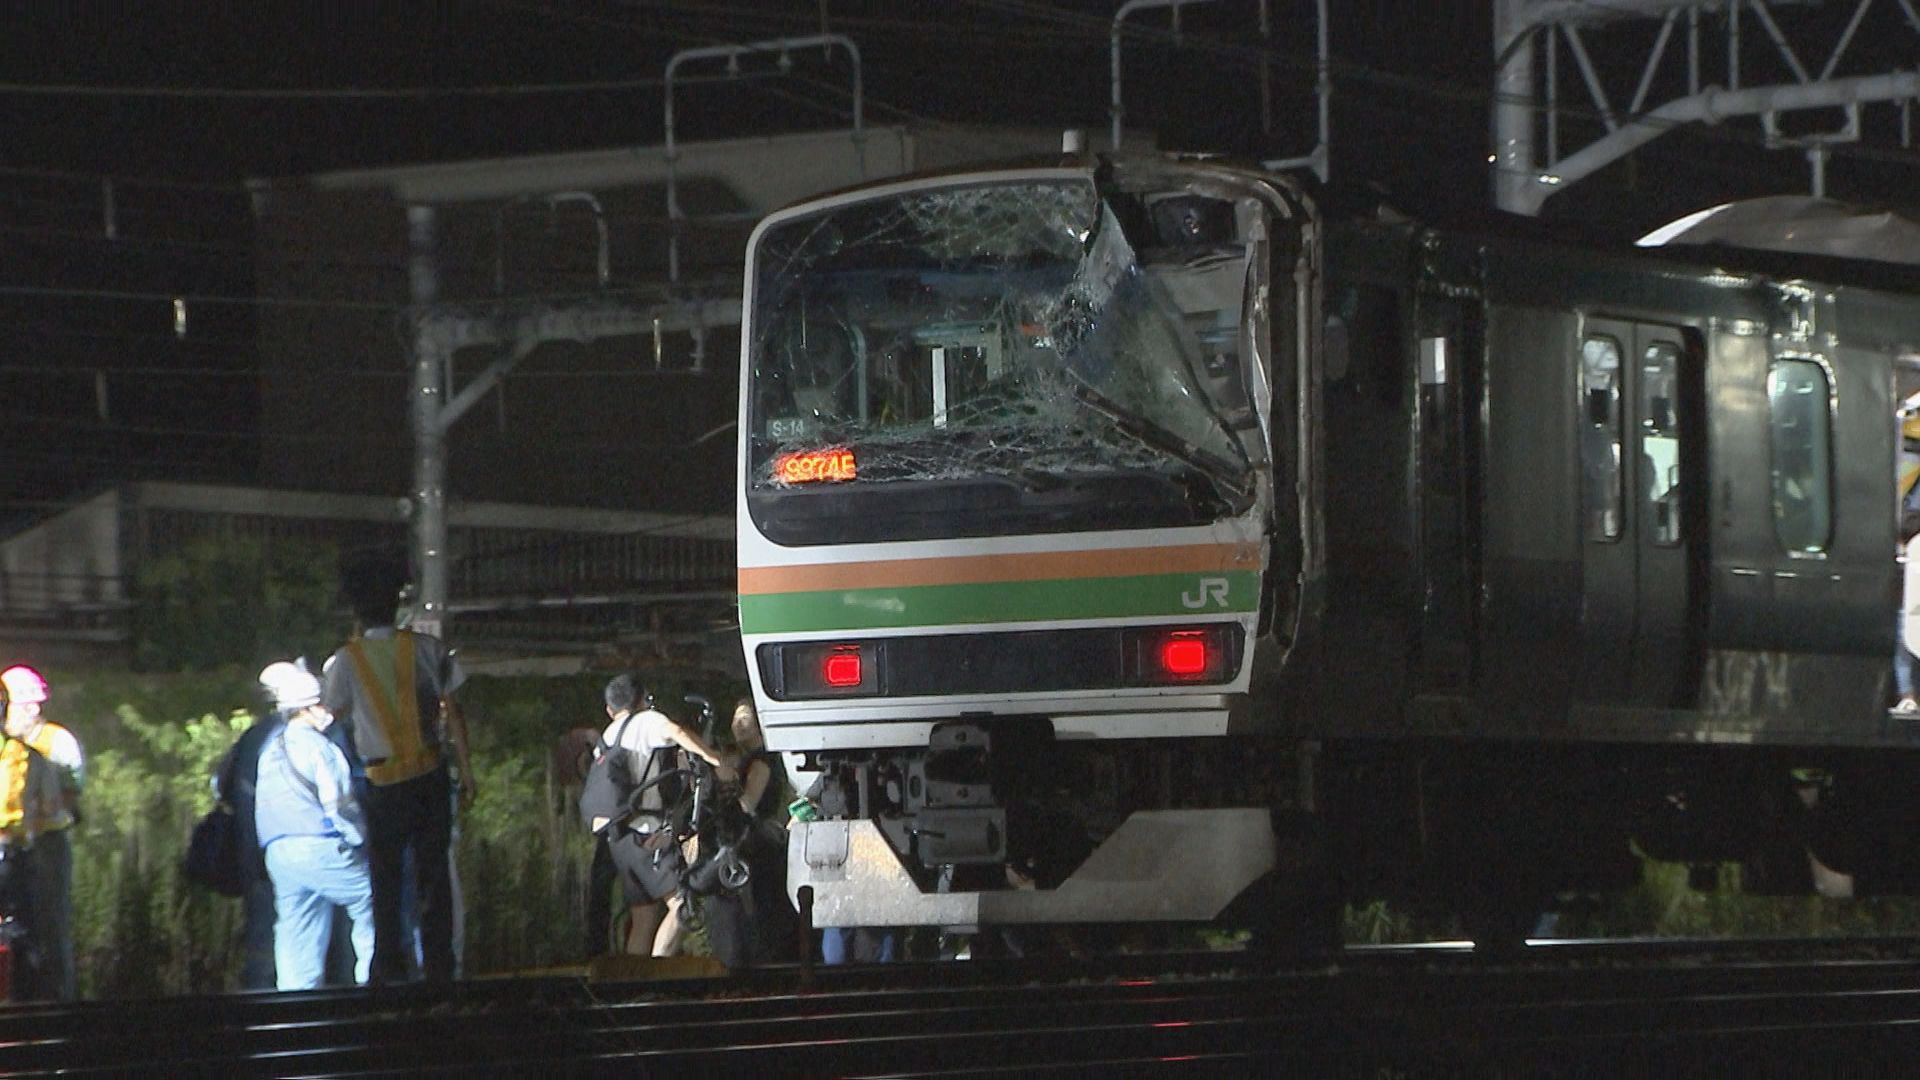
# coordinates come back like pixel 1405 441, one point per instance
pixel 1207 591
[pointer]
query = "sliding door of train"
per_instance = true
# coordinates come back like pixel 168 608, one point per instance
pixel 1640 463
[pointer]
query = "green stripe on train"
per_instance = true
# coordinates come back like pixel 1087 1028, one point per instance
pixel 1001 601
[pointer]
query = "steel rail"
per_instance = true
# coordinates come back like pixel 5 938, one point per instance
pixel 1364 1005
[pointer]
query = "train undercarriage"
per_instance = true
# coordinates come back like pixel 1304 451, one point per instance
pixel 999 824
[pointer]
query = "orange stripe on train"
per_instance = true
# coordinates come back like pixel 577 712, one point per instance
pixel 984 569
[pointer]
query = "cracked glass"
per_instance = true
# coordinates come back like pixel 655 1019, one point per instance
pixel 1021 334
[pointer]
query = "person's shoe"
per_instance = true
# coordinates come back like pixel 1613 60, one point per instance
pixel 1907 707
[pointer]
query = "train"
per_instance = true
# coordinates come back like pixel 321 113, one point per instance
pixel 1156 539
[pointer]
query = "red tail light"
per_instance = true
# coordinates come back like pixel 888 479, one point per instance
pixel 1170 656
pixel 841 667
pixel 1184 654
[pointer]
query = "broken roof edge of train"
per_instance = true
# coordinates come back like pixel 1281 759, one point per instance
pixel 1800 224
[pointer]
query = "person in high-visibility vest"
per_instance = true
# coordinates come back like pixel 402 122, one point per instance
pixel 396 689
pixel 29 796
pixel 53 851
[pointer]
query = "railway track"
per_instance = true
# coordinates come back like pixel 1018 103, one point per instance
pixel 1607 1008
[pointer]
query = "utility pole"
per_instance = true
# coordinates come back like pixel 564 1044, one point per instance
pixel 1515 161
pixel 428 502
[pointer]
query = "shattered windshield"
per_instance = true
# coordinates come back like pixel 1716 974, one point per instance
pixel 1026 333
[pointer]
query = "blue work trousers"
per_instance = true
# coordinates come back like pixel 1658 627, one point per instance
pixel 310 875
pixel 858 945
pixel 1904 661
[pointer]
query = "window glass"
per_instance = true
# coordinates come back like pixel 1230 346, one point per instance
pixel 1600 436
pixel 1800 401
pixel 1660 442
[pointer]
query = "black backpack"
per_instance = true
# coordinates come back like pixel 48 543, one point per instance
pixel 611 793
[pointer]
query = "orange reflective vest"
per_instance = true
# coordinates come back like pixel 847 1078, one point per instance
pixel 28 792
pixel 46 738
pixel 385 669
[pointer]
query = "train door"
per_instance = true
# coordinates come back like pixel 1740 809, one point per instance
pixel 1638 449
pixel 1449 332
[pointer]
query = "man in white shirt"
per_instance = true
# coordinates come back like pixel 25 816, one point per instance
pixel 649 864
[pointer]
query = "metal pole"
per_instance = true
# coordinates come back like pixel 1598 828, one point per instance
pixel 1318 160
pixel 429 502
pixel 782 47
pixel 1114 108
pixel 1513 151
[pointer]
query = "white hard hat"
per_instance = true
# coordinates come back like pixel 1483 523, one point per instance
pixel 290 684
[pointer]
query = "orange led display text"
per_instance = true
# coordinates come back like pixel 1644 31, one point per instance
pixel 813 466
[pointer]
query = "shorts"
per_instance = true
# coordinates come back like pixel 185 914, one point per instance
pixel 643 878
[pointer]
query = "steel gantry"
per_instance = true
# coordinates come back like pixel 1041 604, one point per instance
pixel 1316 159
pixel 514 328
pixel 1699 61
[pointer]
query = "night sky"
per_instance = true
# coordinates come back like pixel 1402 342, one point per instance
pixel 178 104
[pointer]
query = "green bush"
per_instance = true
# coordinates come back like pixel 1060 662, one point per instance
pixel 139 927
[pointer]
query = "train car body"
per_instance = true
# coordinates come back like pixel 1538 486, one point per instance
pixel 1117 536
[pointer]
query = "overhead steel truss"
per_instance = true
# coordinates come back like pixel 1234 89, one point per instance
pixel 1711 60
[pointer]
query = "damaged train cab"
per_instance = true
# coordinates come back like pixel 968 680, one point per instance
pixel 1022 495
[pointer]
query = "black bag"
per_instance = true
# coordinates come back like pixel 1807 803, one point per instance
pixel 213 852
pixel 607 794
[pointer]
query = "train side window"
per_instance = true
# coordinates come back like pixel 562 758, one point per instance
pixel 1801 407
pixel 1600 436
pixel 1660 441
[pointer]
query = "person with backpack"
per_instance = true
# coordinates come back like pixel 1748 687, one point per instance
pixel 311 828
pixel 646 858
pixel 53 850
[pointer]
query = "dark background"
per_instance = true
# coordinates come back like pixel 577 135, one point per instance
pixel 177 105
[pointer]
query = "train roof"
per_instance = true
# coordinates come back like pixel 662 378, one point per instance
pixel 1783 237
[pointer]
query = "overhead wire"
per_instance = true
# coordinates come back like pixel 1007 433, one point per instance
pixel 1074 26
pixel 1090 29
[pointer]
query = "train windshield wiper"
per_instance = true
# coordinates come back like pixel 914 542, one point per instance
pixel 1229 482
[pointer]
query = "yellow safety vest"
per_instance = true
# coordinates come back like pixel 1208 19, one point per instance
pixel 385 669
pixel 64 815
pixel 26 801
pixel 14 763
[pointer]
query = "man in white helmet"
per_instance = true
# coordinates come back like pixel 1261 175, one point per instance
pixel 312 831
